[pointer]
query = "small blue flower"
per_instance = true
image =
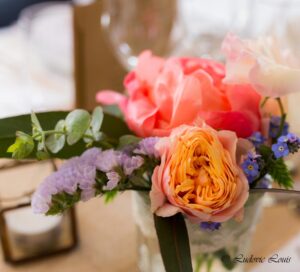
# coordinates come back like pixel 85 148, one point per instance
pixel 253 156
pixel 264 183
pixel 275 121
pixel 280 149
pixel 210 226
pixel 292 138
pixel 275 126
pixel 283 139
pixel 257 139
pixel 250 167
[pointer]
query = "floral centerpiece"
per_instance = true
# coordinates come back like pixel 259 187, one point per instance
pixel 197 137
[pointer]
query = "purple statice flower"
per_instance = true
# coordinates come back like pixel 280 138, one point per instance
pixel 257 139
pixel 275 126
pixel 280 150
pixel 113 180
pixel 147 147
pixel 210 226
pixel 108 160
pixel 75 173
pixel 41 199
pixel 91 155
pixel 39 204
pixel 130 163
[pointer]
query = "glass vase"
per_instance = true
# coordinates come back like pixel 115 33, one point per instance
pixel 211 250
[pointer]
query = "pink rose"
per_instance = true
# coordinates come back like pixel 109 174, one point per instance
pixel 166 93
pixel 271 71
pixel 199 175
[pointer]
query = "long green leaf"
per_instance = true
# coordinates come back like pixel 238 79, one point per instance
pixel 112 126
pixel 174 243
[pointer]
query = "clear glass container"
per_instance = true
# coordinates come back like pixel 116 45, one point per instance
pixel 210 249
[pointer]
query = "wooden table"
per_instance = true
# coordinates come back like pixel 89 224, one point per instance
pixel 107 235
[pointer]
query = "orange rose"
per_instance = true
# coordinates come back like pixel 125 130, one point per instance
pixel 199 175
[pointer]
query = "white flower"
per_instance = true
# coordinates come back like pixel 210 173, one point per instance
pixel 262 63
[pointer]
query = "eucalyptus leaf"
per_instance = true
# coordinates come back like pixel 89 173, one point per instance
pixel 55 142
pixel 174 243
pixel 98 135
pixel 112 126
pixel 41 145
pixel 128 140
pixel 22 147
pixel 77 122
pixel 42 155
pixel 113 110
pixel 97 119
pixel 87 136
pixel 35 122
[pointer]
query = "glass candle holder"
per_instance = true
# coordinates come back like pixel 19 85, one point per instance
pixel 26 236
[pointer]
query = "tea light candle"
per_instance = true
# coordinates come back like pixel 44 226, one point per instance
pixel 31 232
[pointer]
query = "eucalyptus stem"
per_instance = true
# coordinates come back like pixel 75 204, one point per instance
pixel 49 132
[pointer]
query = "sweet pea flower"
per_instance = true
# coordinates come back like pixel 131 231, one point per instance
pixel 272 72
pixel 163 94
pixel 199 175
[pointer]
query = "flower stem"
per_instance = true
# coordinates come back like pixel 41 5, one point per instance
pixel 283 117
pixel 263 103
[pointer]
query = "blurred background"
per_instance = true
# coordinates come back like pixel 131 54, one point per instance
pixel 57 55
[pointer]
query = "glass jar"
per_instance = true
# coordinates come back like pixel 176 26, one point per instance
pixel 211 250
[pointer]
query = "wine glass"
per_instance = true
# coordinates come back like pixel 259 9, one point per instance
pixel 135 25
pixel 207 22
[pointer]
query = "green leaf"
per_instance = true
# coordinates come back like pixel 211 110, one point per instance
pixel 42 155
pixel 97 119
pixel 35 122
pixel 266 152
pixel 174 243
pixel 109 196
pixel 280 173
pixel 225 258
pixel 128 140
pixel 22 147
pixel 63 201
pixel 112 126
pixel 55 142
pixel 113 110
pixel 77 122
pixel 41 145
